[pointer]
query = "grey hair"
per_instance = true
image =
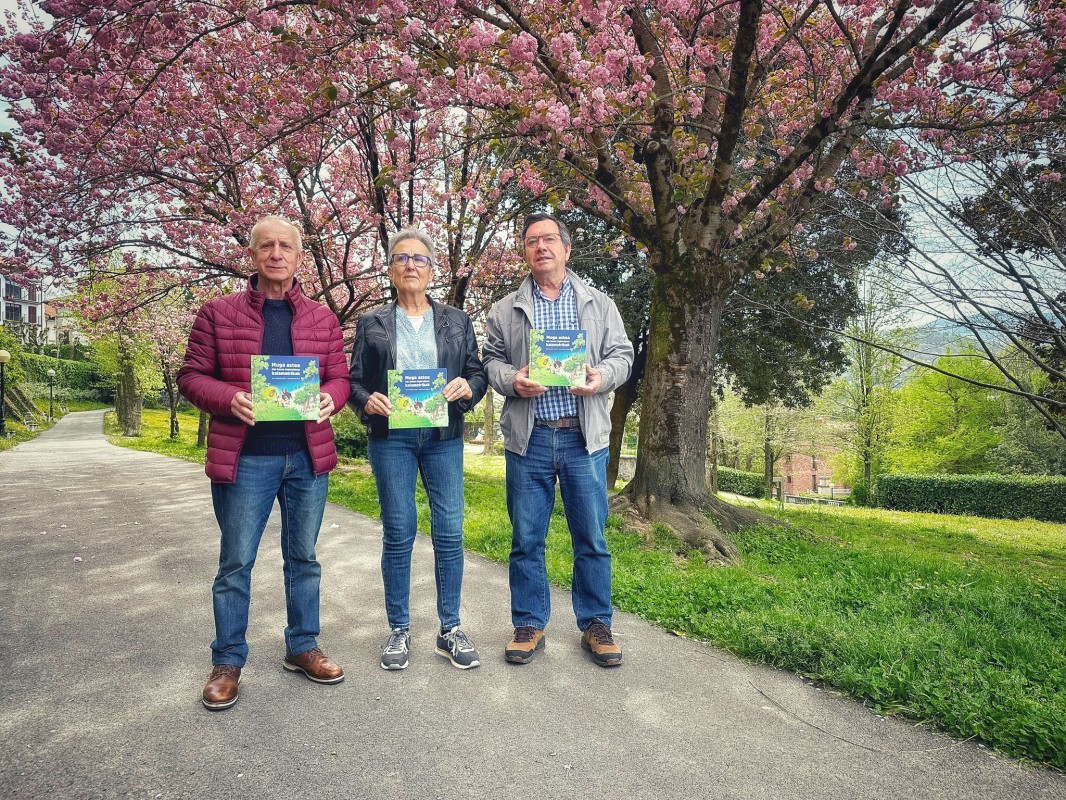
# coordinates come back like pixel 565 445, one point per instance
pixel 257 231
pixel 542 216
pixel 418 235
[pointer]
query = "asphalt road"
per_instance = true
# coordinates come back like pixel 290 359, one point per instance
pixel 106 560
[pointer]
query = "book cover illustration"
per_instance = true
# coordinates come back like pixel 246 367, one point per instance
pixel 557 356
pixel 285 388
pixel 416 399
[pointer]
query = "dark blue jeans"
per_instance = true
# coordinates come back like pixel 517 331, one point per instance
pixel 242 509
pixel 396 462
pixel 558 454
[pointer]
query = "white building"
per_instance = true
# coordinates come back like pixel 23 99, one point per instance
pixel 22 309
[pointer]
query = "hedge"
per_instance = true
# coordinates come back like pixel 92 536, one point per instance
pixel 749 484
pixel 77 375
pixel 1000 496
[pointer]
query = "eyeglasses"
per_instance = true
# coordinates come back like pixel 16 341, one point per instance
pixel 401 259
pixel 550 239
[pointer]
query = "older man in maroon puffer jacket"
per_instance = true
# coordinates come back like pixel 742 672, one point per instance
pixel 250 465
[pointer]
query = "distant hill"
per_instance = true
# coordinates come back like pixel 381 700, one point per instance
pixel 938 336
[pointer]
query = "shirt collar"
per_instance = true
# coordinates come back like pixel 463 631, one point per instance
pixel 565 290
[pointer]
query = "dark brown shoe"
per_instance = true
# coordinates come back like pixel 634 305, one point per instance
pixel 524 644
pixel 220 692
pixel 598 641
pixel 316 665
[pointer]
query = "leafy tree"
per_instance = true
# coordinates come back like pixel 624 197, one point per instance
pixel 1027 446
pixel 862 397
pixel 986 257
pixel 13 372
pixel 947 424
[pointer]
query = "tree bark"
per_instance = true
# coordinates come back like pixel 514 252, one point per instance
pixel 670 484
pixel 128 395
pixel 712 455
pixel 172 398
pixel 128 404
pixel 768 458
pixel 624 398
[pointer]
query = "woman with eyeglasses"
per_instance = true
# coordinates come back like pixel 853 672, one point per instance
pixel 416 333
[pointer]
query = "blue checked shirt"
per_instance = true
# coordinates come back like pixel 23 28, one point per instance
pixel 557 402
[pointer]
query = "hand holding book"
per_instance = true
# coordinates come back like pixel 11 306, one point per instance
pixel 524 387
pixel 593 383
pixel 457 389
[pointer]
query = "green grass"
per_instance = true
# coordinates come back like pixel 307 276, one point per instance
pixel 960 621
pixel 155 434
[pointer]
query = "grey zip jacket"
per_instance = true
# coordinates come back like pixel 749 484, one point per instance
pixel 506 351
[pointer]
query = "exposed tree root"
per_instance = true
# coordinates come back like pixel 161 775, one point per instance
pixel 705 526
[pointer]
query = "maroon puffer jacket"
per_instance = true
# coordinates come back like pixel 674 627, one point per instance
pixel 227 332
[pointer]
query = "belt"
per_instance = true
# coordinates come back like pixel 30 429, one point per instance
pixel 562 422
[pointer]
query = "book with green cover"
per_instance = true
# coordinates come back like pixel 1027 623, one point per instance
pixel 557 356
pixel 416 399
pixel 285 388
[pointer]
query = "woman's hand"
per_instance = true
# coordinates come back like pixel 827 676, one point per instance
pixel 458 389
pixel 378 403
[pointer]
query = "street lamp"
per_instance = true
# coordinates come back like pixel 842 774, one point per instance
pixel 4 358
pixel 51 376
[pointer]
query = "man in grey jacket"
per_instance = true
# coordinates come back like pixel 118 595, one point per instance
pixel 556 433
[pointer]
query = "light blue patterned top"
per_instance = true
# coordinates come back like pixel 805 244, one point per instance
pixel 415 349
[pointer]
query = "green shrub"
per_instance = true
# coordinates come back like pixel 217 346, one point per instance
pixel 349 434
pixel 749 484
pixel 1000 496
pixel 861 494
pixel 73 375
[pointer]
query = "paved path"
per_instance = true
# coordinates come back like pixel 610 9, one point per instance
pixel 102 660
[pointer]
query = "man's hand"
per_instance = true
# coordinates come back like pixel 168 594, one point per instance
pixel 378 403
pixel 593 382
pixel 457 389
pixel 325 406
pixel 524 387
pixel 241 407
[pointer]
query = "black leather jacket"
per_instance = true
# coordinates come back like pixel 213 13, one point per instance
pixel 374 354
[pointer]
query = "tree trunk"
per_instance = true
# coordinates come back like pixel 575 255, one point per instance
pixel 712 455
pixel 128 395
pixel 624 398
pixel 490 423
pixel 670 484
pixel 172 398
pixel 767 454
pixel 201 430
pixel 128 401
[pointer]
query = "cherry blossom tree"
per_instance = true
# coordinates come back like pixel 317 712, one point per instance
pixel 152 135
pixel 703 132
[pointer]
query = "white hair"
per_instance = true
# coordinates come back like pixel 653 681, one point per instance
pixel 257 230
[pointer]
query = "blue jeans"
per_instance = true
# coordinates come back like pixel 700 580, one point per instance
pixel 242 509
pixel 396 462
pixel 561 454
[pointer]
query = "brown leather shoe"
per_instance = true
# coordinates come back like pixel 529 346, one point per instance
pixel 220 692
pixel 316 665
pixel 598 641
pixel 524 644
